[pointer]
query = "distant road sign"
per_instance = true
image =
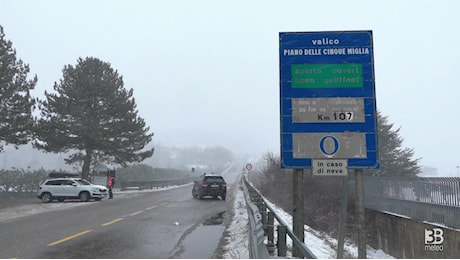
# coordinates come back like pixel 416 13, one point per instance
pixel 248 166
pixel 327 98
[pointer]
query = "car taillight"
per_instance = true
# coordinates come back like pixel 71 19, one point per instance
pixel 204 184
pixel 224 184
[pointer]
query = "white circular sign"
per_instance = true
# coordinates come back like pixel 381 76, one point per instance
pixel 248 166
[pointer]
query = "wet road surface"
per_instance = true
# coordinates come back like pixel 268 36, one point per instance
pixel 162 224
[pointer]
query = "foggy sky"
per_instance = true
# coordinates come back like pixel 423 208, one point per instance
pixel 207 72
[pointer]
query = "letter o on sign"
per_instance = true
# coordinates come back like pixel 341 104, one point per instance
pixel 248 166
pixel 329 145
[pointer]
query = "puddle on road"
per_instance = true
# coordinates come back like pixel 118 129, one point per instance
pixel 202 242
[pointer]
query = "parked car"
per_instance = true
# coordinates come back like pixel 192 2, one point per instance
pixel 210 185
pixel 70 188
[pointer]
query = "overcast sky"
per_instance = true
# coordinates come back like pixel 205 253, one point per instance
pixel 206 73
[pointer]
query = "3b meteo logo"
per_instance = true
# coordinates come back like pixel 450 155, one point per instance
pixel 433 239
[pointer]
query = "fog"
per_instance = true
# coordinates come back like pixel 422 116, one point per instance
pixel 207 159
pixel 206 73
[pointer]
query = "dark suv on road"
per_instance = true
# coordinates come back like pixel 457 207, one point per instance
pixel 210 185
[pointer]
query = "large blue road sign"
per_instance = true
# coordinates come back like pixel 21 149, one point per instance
pixel 327 98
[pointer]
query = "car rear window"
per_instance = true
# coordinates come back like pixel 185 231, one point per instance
pixel 214 179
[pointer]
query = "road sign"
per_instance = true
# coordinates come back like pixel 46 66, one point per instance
pixel 327 98
pixel 248 166
pixel 329 167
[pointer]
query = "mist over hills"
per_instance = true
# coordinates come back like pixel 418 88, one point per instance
pixel 28 158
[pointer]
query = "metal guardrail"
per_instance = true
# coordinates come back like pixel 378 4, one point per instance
pixel 435 200
pixel 261 223
pixel 141 185
pixel 257 248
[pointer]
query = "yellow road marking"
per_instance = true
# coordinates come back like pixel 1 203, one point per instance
pixel 153 207
pixel 135 213
pixel 112 222
pixel 104 225
pixel 70 237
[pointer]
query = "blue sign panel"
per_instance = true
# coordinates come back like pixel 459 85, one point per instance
pixel 327 98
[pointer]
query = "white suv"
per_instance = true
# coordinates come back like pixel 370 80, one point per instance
pixel 70 188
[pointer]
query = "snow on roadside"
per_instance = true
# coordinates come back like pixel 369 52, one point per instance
pixel 237 246
pixel 319 243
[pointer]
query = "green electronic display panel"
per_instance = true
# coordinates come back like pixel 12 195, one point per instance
pixel 327 75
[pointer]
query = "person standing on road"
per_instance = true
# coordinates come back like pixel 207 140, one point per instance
pixel 110 184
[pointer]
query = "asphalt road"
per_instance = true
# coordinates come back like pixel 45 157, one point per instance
pixel 161 224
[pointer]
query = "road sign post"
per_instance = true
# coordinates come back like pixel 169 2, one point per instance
pixel 328 113
pixel 248 169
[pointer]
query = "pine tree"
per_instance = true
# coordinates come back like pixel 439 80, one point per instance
pixel 395 160
pixel 94 116
pixel 16 104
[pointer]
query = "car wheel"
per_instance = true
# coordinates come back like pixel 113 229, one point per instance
pixel 223 197
pixel 97 199
pixel 46 197
pixel 60 199
pixel 84 196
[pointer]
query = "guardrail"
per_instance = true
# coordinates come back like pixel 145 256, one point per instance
pixel 261 223
pixel 141 185
pixel 435 200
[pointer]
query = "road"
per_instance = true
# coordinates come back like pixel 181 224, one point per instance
pixel 162 224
